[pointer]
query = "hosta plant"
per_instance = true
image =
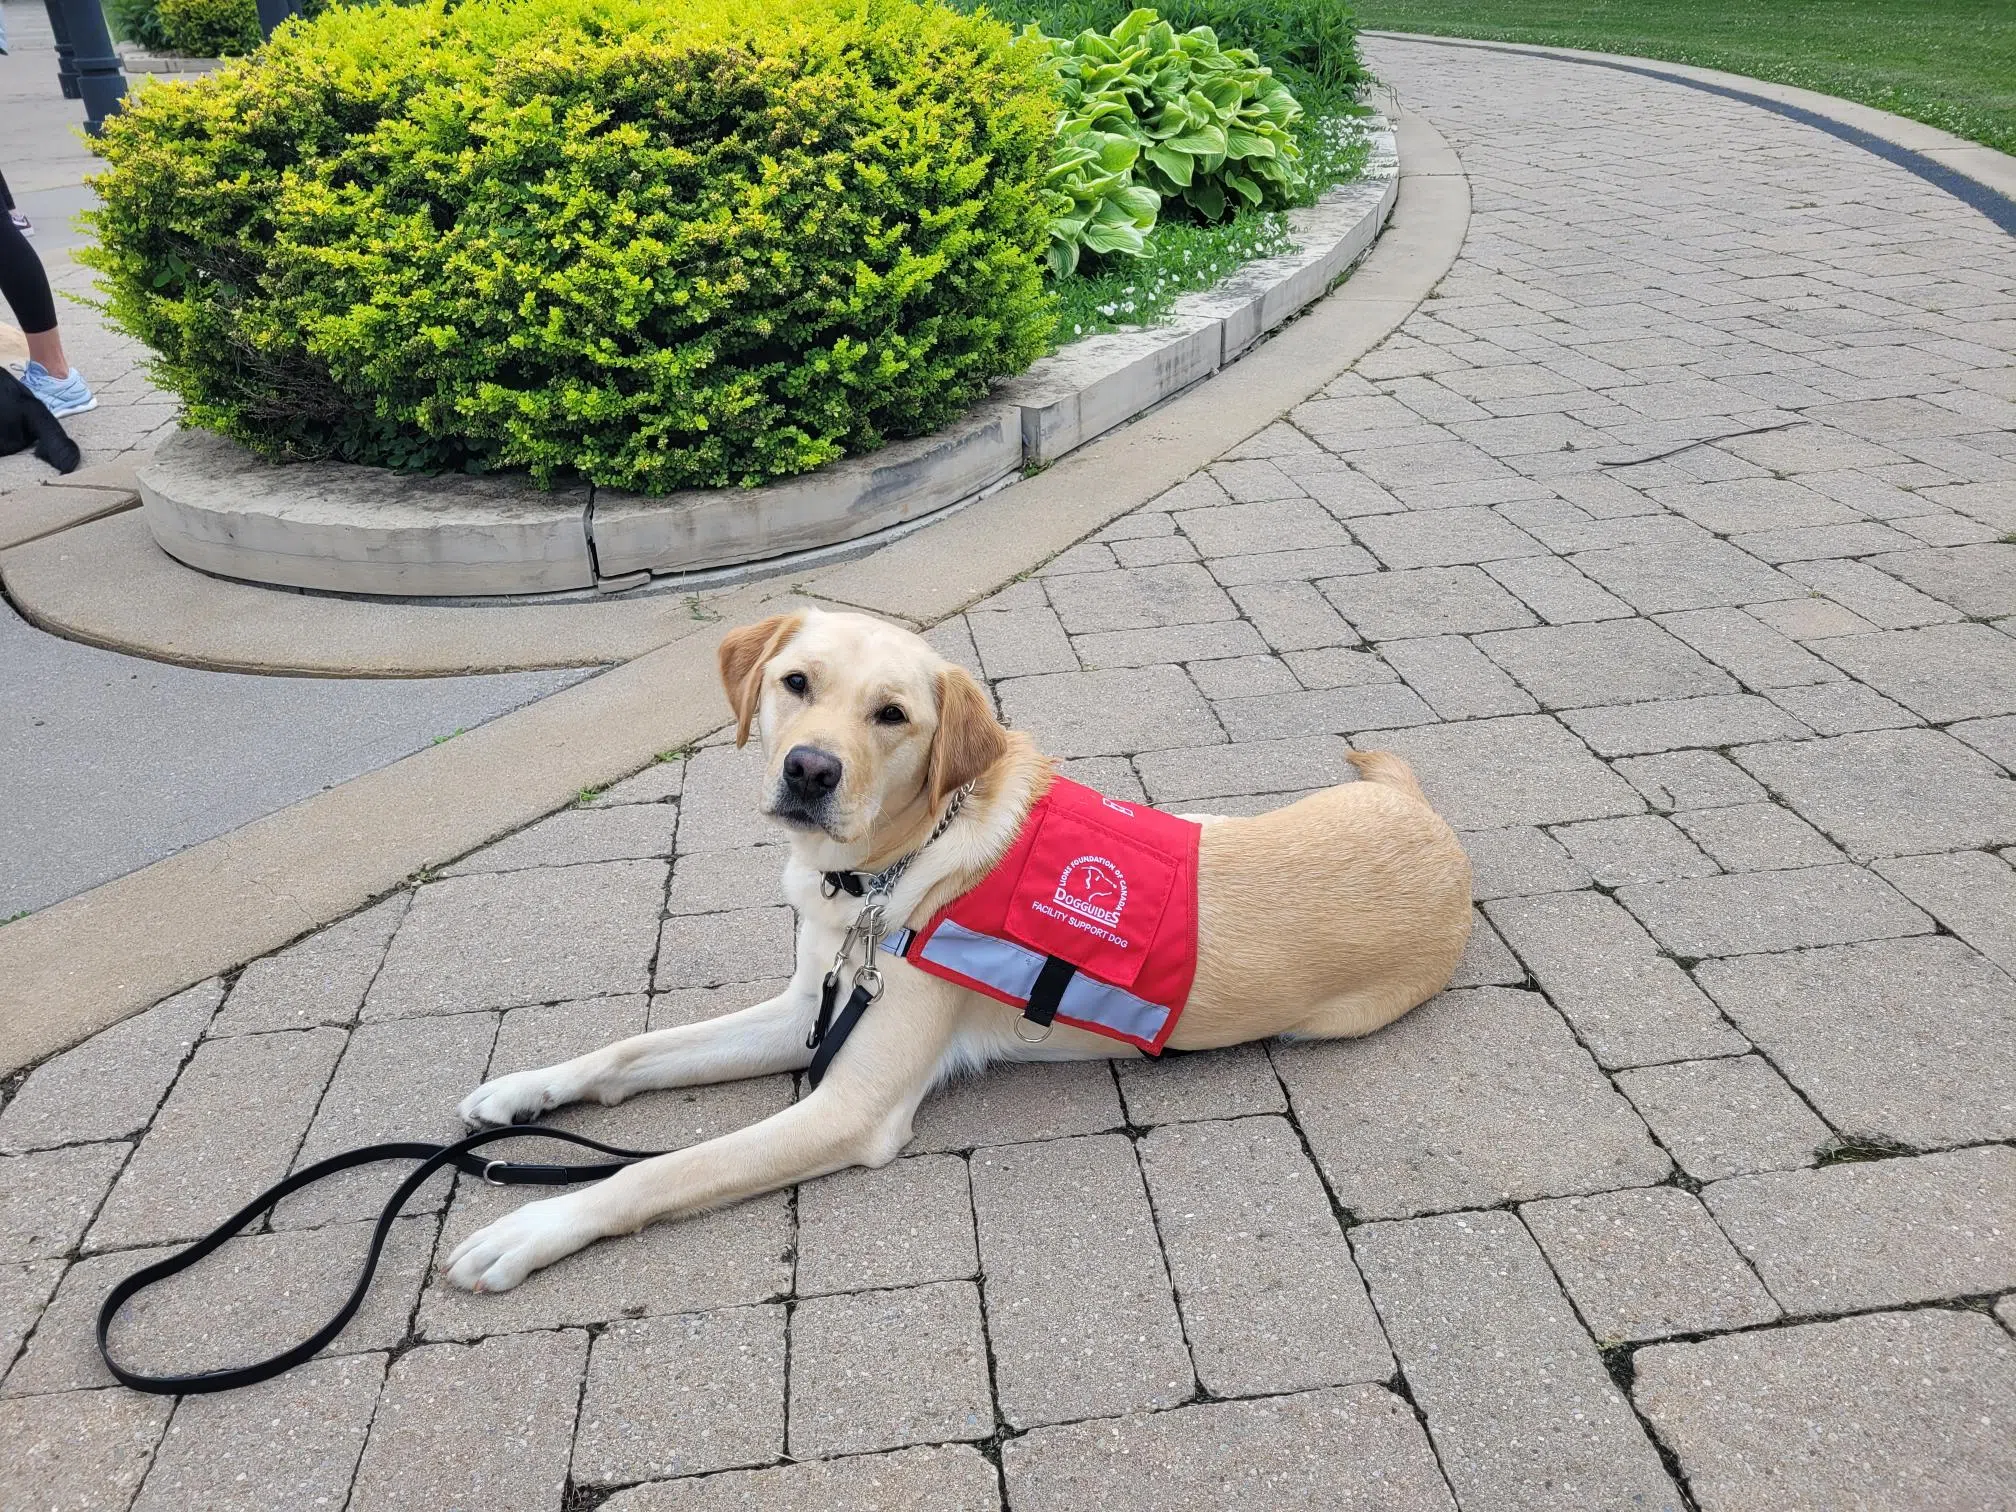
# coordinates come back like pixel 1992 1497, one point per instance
pixel 1213 129
pixel 1096 205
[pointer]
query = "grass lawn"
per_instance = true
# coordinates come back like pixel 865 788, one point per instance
pixel 1948 63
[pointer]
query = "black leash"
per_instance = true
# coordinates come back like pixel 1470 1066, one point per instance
pixel 828 1035
pixel 432 1157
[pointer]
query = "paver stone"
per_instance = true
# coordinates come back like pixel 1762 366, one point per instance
pixel 478 1425
pixel 319 980
pixel 290 1442
pixel 1907 1041
pixel 1474 1098
pixel 1725 1117
pixel 905 1224
pixel 1355 1448
pixel 923 1379
pixel 111 1084
pixel 84 1451
pixel 683 1395
pixel 1905 1411
pixel 1270 1299
pixel 1646 1264
pixel 950 1479
pixel 1521 1410
pixel 568 932
pixel 1879 1233
pixel 226 1132
pixel 1078 1302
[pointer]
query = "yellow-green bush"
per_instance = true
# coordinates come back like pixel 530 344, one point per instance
pixel 656 243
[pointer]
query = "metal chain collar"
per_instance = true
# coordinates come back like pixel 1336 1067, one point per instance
pixel 869 925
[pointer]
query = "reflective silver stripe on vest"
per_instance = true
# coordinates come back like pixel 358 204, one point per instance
pixel 1011 969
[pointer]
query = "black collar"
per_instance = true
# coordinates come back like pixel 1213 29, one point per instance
pixel 860 884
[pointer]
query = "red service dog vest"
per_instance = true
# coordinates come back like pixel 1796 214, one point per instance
pixel 1090 919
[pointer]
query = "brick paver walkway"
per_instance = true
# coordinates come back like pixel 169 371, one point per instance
pixel 1698 1190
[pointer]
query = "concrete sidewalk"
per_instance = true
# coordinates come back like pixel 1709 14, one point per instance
pixel 109 762
pixel 1669 542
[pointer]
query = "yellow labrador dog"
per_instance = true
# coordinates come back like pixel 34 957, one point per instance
pixel 1330 917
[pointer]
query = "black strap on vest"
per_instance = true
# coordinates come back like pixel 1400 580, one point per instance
pixel 432 1157
pixel 1048 992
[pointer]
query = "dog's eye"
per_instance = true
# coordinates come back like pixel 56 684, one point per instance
pixel 796 682
pixel 889 714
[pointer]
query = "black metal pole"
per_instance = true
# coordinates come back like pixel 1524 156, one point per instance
pixel 273 12
pixel 66 55
pixel 95 75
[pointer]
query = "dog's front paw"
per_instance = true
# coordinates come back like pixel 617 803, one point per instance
pixel 517 1098
pixel 497 1258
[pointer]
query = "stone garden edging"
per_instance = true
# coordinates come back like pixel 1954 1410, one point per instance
pixel 137 60
pixel 340 528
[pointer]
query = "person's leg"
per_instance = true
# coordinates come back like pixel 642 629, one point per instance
pixel 46 348
pixel 10 211
pixel 26 288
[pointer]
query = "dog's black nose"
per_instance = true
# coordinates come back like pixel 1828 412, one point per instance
pixel 810 772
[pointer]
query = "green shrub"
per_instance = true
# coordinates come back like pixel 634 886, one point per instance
pixel 210 28
pixel 659 246
pixel 138 22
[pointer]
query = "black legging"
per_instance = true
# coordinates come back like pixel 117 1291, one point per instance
pixel 22 280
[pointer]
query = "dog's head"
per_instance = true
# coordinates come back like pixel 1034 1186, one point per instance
pixel 863 725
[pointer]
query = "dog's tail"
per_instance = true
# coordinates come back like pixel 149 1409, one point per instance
pixel 52 443
pixel 1385 767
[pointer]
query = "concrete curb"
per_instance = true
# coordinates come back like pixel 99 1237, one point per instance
pixel 136 61
pixel 214 506
pixel 76 967
pixel 341 528
pixel 108 584
pixel 1971 160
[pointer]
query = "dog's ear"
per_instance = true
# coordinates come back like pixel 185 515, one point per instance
pixel 744 654
pixel 969 740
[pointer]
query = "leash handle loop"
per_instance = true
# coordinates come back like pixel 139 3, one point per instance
pixel 432 1157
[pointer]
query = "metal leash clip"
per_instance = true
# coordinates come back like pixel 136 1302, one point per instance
pixel 869 978
pixel 867 927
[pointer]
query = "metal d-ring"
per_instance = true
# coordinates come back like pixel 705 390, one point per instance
pixel 1021 1020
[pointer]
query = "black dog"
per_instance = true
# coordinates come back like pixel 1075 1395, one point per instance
pixel 25 421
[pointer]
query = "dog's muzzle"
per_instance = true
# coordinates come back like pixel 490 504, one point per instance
pixel 806 785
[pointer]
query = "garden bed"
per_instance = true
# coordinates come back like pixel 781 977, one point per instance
pixel 134 60
pixel 343 528
pixel 742 279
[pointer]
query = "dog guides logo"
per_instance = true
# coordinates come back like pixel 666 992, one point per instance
pixel 1094 888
